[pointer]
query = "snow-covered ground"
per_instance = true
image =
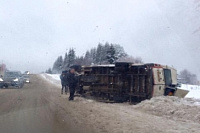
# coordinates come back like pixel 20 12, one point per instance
pixel 172 107
pixel 53 78
pixel 194 90
pixel 162 114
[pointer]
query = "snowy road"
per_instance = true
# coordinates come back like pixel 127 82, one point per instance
pixel 33 109
pixel 39 108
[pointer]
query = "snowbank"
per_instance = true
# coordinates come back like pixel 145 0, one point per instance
pixel 53 78
pixel 172 107
pixel 194 90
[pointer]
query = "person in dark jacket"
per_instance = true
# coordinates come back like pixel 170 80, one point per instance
pixel 63 78
pixel 72 83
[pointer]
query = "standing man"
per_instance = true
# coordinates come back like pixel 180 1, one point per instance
pixel 63 78
pixel 72 82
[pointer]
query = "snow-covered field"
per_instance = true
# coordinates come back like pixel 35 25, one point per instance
pixel 194 90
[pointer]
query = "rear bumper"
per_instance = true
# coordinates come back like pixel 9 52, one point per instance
pixel 16 84
pixel 12 83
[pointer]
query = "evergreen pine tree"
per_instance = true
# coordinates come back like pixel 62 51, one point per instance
pixel 49 71
pixel 99 56
pixel 102 54
pixel 71 57
pixel 87 58
pixel 119 51
pixel 57 66
pixel 111 57
pixel 105 48
pixel 65 62
pixel 93 53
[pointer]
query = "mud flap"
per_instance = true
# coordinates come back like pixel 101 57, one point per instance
pixel 181 93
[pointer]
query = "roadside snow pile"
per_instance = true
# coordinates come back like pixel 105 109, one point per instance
pixel 172 107
pixel 194 90
pixel 53 78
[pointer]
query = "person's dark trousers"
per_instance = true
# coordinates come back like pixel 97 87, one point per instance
pixel 62 89
pixel 72 91
pixel 66 89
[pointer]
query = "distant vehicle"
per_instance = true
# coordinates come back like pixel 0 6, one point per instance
pixel 12 78
pixel 27 72
pixel 26 78
pixel 1 81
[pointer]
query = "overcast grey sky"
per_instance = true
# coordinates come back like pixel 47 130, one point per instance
pixel 34 32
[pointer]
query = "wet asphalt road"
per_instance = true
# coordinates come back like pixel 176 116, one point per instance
pixel 33 109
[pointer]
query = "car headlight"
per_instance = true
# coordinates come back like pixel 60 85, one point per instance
pixel 1 79
pixel 16 80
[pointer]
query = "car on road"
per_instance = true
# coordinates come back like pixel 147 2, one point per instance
pixel 26 78
pixel 27 72
pixel 12 78
pixel 1 81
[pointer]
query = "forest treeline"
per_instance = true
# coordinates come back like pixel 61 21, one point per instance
pixel 102 54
